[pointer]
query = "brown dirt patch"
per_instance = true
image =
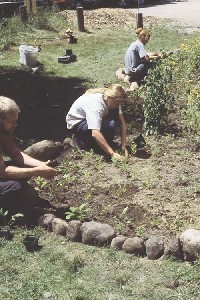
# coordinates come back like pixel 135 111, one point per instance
pixel 158 194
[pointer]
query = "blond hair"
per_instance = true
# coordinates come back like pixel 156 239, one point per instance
pixel 115 91
pixel 112 91
pixel 142 32
pixel 7 105
pixel 96 90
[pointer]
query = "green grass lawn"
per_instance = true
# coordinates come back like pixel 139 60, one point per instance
pixel 75 271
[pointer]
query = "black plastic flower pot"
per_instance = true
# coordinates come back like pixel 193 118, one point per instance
pixel 31 243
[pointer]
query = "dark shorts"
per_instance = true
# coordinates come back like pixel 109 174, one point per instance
pixel 108 129
pixel 17 196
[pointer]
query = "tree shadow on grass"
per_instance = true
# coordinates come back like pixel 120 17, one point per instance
pixel 44 101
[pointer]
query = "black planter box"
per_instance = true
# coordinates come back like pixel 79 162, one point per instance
pixel 31 242
pixel 5 233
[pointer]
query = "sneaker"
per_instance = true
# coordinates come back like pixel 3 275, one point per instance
pixel 140 141
pixel 127 79
pixel 76 143
pixel 66 59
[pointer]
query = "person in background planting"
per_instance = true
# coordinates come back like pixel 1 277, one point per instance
pixel 137 60
pixel 16 195
pixel 93 119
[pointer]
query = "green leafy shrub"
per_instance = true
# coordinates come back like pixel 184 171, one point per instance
pixel 174 85
pixel 157 97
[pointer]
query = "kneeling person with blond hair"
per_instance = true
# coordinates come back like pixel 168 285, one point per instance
pixel 93 119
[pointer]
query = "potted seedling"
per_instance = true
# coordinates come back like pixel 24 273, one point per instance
pixel 7 223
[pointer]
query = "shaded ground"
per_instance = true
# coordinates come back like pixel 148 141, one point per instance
pixel 43 100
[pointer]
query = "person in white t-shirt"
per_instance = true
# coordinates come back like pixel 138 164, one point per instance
pixel 137 60
pixel 93 119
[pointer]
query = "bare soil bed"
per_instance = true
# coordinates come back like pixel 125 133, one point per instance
pixel 155 191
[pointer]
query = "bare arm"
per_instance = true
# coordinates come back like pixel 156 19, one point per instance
pixel 37 168
pixel 98 136
pixel 18 173
pixel 123 134
pixel 152 56
pixel 24 159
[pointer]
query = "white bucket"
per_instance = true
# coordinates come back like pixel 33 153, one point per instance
pixel 28 55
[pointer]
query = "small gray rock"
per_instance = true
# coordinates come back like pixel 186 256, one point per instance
pixel 172 284
pixel 173 248
pixel 59 226
pixel 190 241
pixel 154 247
pixel 46 221
pixel 73 232
pixel 117 242
pixel 134 246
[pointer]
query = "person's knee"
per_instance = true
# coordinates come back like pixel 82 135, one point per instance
pixel 112 124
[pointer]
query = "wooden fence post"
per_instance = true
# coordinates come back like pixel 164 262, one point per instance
pixel 80 18
pixel 34 6
pixel 23 13
pixel 139 20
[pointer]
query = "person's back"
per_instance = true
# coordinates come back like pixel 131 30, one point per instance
pixel 88 106
pixel 137 60
pixel 134 56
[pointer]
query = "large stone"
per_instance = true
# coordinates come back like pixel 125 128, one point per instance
pixel 117 242
pixel 59 226
pixel 45 150
pixel 154 247
pixel 94 233
pixel 134 246
pixel 190 240
pixel 73 232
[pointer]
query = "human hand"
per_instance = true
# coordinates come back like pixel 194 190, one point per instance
pixel 117 156
pixel 125 152
pixel 45 171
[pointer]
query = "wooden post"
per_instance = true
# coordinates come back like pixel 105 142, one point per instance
pixel 139 20
pixel 23 13
pixel 80 18
pixel 28 5
pixel 34 6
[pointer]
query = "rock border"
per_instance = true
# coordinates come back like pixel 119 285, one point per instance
pixel 185 247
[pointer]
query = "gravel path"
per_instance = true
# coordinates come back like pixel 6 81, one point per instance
pixel 185 12
pixel 182 13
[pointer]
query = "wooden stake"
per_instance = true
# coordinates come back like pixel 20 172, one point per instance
pixel 23 13
pixel 80 18
pixel 139 20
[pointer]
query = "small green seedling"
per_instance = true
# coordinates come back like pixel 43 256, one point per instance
pixel 78 212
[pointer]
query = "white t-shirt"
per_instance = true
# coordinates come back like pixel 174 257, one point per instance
pixel 89 107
